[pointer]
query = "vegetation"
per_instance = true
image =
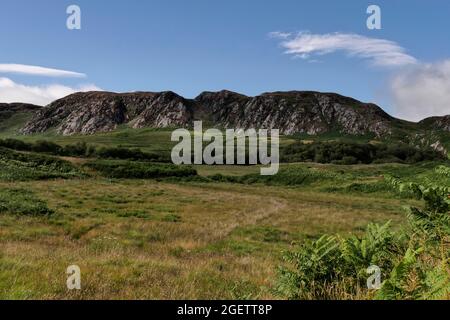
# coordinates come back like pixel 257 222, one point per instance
pixel 16 166
pixel 139 170
pixel 416 259
pixel 129 154
pixel 22 202
pixel 340 153
pixel 142 229
pixel 288 176
pixel 81 149
pixel 346 153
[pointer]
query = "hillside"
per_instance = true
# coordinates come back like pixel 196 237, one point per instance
pixel 134 220
pixel 299 113
pixel 291 112
pixel 13 115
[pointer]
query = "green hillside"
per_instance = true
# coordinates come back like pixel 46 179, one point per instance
pixel 107 203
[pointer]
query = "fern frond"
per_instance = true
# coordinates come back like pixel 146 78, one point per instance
pixel 394 287
pixel 436 284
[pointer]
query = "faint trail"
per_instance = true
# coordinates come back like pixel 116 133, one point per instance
pixel 248 218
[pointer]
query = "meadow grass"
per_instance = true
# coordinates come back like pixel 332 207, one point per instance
pixel 147 139
pixel 144 239
pixel 219 235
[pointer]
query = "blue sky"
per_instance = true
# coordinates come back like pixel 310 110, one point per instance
pixel 189 46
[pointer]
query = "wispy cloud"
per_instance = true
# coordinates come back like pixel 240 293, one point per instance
pixel 11 91
pixel 416 89
pixel 38 71
pixel 422 91
pixel 379 52
pixel 279 35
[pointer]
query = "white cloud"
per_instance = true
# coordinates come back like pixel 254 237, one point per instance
pixel 38 71
pixel 422 91
pixel 11 91
pixel 380 52
pixel 279 35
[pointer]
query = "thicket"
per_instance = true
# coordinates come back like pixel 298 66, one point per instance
pixel 321 152
pixel 17 166
pixel 288 176
pixel 415 261
pixel 354 153
pixel 22 202
pixel 81 149
pixel 139 170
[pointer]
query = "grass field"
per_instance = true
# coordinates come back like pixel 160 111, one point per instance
pixel 150 239
pixel 218 236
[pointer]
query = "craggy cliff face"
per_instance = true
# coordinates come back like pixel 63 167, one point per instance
pixel 88 113
pixel 439 123
pixel 295 112
pixel 291 112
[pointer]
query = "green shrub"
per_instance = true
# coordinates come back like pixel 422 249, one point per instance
pixel 22 202
pixel 289 176
pixel 171 218
pixel 366 187
pixel 81 149
pixel 330 263
pixel 16 166
pixel 129 154
pixel 139 170
pixel 15 144
pixel 414 260
pixel 344 153
pixel 46 147
pixel 443 170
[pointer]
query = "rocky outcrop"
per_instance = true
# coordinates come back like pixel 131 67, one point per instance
pixel 7 110
pixel 440 123
pixel 295 112
pixel 88 113
pixel 162 110
pixel 291 112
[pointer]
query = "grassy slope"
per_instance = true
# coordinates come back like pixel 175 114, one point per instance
pixel 186 240
pixel 124 236
pixel 158 140
pixel 149 239
pixel 11 125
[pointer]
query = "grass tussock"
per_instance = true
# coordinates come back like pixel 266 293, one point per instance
pixel 22 202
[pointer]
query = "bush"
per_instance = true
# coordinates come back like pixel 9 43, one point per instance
pixel 331 263
pixel 22 202
pixel 290 176
pixel 128 154
pixel 414 260
pixel 16 145
pixel 81 149
pixel 353 153
pixel 139 170
pixel 46 147
pixel 16 166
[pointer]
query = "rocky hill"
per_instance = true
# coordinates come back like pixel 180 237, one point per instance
pixel 291 112
pixel 91 112
pixel 439 123
pixel 14 115
pixel 7 110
